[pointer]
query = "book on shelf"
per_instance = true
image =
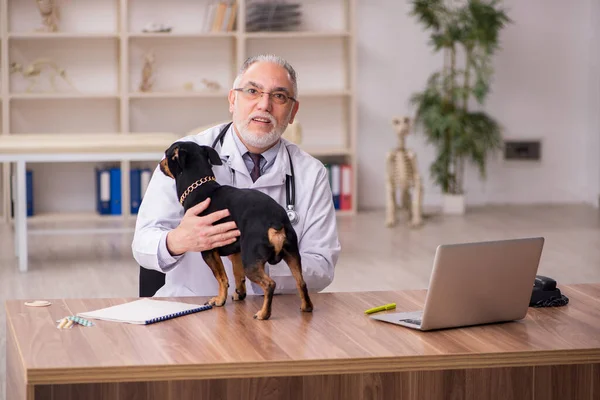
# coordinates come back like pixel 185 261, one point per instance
pixel 108 189
pixel 139 180
pixel 220 16
pixel 340 182
pixel 28 193
pixel 346 187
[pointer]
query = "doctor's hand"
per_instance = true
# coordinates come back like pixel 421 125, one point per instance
pixel 196 233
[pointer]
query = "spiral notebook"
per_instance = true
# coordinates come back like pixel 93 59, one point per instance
pixel 145 311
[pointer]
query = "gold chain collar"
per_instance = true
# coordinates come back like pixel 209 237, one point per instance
pixel 194 186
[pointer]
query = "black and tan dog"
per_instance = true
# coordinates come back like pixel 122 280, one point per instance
pixel 266 234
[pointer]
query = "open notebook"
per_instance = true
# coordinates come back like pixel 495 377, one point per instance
pixel 144 311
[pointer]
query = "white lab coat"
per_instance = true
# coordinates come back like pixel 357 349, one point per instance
pixel 188 274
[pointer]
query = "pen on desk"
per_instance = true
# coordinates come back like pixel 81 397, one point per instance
pixel 390 306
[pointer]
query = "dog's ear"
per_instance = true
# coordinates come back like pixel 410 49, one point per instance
pixel 180 156
pixel 177 153
pixel 172 151
pixel 174 160
pixel 213 156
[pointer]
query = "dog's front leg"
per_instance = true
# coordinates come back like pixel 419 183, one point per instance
pixel 213 260
pixel 240 276
pixel 256 273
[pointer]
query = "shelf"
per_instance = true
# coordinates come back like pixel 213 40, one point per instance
pixel 72 217
pixel 88 143
pixel 91 67
pixel 177 95
pixel 180 62
pixel 344 213
pixel 58 96
pixel 106 119
pixel 62 35
pixel 176 35
pixel 326 152
pixel 116 221
pixel 131 142
pixel 296 35
pixel 324 93
pixel 79 223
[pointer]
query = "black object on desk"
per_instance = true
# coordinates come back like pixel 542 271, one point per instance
pixel 546 294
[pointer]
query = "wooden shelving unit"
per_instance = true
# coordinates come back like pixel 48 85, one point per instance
pixel 101 46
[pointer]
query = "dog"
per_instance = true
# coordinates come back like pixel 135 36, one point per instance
pixel 266 233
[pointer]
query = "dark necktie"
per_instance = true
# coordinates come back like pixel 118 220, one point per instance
pixel 255 173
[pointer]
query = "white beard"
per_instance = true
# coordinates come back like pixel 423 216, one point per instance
pixel 261 140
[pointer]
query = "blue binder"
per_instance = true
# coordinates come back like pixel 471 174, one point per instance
pixel 115 191
pixel 139 180
pixel 336 183
pixel 108 189
pixel 28 193
pixel 103 191
pixel 135 189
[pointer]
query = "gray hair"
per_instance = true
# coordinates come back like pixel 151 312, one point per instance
pixel 272 59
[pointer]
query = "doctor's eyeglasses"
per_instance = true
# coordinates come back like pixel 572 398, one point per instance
pixel 278 97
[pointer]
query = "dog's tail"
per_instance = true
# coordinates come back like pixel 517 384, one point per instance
pixel 277 239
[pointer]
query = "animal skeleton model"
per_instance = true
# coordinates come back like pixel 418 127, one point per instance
pixel 211 85
pixel 50 17
pixel 154 27
pixel 402 176
pixel 35 69
pixel 147 73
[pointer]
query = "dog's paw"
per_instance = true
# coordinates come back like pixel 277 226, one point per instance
pixel 238 296
pixel 217 302
pixel 415 224
pixel 262 315
pixel 307 307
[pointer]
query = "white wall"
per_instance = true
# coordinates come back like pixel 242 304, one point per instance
pixel 546 87
pixel 593 149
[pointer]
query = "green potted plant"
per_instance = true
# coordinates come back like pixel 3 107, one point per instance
pixel 449 109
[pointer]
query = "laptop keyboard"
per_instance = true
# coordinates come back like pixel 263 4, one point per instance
pixel 415 317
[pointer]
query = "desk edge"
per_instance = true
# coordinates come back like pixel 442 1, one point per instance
pixel 310 367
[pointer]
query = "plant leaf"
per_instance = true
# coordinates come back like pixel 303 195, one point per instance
pixel 429 12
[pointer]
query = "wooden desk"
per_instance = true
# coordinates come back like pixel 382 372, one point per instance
pixel 335 353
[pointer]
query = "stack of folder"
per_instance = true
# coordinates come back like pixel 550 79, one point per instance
pixel 340 181
pixel 108 189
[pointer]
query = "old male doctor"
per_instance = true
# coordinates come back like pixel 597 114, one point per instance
pixel 263 101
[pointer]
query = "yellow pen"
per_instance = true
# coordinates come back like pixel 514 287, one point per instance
pixel 390 306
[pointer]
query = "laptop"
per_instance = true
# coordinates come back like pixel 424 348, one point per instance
pixel 476 283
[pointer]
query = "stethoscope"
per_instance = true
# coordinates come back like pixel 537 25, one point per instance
pixel 290 189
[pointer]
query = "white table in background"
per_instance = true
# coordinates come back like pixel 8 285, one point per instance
pixel 60 148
